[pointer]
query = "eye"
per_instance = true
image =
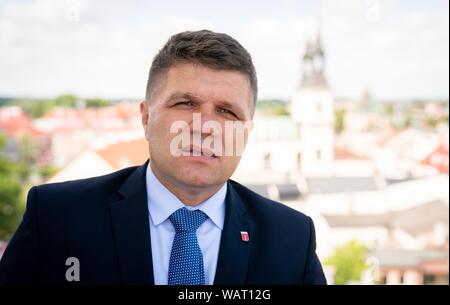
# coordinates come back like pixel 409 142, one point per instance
pixel 223 110
pixel 185 103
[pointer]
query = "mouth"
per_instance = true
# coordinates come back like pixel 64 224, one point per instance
pixel 199 153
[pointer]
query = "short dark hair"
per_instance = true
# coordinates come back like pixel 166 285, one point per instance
pixel 213 50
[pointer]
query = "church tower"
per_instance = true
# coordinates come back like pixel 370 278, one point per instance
pixel 313 111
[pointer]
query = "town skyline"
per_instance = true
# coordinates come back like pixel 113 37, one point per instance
pixel 395 49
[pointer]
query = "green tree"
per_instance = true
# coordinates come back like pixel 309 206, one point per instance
pixel 66 100
pixel 28 149
pixel 431 122
pixel 34 108
pixel 339 120
pixel 11 205
pixel 407 120
pixel 96 103
pixel 273 107
pixel 389 109
pixel 349 262
pixel 47 171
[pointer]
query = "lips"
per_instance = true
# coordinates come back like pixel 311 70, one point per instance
pixel 199 151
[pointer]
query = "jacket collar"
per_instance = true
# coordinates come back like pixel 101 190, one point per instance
pixel 130 223
pixel 131 230
pixel 234 253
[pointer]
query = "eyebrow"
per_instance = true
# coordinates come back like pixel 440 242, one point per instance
pixel 187 95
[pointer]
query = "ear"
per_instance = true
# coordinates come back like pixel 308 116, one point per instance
pixel 144 116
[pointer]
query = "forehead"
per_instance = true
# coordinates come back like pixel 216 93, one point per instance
pixel 208 84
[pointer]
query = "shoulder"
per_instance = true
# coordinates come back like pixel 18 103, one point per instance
pixel 270 211
pixel 81 191
pixel 93 182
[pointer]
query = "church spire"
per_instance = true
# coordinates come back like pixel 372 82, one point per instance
pixel 313 64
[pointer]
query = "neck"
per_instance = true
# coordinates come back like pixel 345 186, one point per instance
pixel 188 195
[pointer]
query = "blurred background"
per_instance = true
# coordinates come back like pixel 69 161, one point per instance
pixel 351 125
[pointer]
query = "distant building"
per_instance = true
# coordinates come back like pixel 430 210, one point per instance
pixel 23 140
pixel 438 159
pixel 409 246
pixel 313 111
pixel 96 162
pixel 413 153
pixel 412 267
pixel 75 130
pixel 282 150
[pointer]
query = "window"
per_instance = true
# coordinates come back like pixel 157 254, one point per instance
pixel 267 161
pixel 299 160
pixel 429 279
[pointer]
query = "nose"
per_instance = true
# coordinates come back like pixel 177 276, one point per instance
pixel 205 122
pixel 208 112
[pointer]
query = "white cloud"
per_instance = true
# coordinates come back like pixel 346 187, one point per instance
pixel 109 50
pixel 43 54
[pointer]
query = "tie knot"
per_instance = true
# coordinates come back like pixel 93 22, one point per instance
pixel 187 220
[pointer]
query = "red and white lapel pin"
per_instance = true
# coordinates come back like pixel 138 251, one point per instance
pixel 244 236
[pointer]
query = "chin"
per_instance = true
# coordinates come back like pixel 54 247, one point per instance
pixel 198 178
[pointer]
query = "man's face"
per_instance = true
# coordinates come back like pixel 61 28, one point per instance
pixel 215 95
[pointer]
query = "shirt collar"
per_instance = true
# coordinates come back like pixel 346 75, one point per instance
pixel 162 202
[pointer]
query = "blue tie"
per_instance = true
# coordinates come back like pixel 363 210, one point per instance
pixel 186 259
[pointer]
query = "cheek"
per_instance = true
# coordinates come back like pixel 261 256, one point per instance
pixel 230 163
pixel 158 126
pixel 160 135
pixel 234 145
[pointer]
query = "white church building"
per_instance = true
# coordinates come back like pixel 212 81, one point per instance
pixel 285 149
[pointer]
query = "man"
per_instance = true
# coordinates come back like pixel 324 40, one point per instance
pixel 177 219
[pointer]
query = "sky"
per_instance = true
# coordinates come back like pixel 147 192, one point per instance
pixel 395 49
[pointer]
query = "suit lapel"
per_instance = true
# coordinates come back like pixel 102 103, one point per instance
pixel 234 253
pixel 131 230
pixel 132 235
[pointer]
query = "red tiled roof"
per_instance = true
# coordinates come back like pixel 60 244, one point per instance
pixel 126 154
pixel 388 135
pixel 438 158
pixel 346 154
pixel 18 125
pixel 435 267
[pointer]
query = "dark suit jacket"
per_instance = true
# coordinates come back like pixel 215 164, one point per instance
pixel 103 221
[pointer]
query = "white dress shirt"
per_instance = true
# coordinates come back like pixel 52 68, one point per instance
pixel 161 204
